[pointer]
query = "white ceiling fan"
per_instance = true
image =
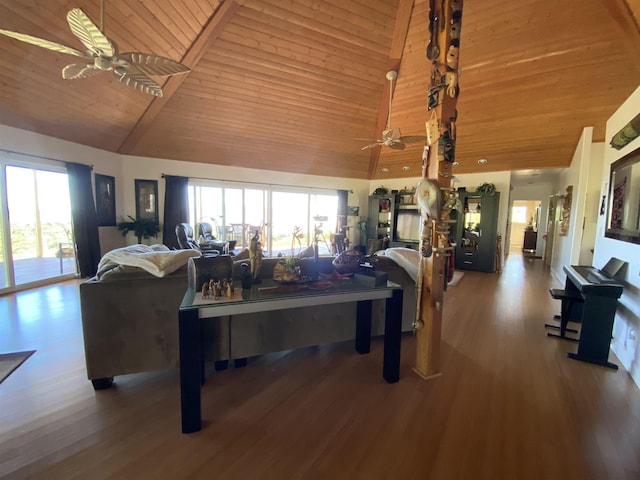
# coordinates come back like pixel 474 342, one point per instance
pixel 391 137
pixel 130 68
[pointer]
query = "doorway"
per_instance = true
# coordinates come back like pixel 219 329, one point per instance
pixel 525 222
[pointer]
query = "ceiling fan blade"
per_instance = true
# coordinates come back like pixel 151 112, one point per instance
pixel 89 34
pixel 76 71
pixel 397 145
pixel 373 145
pixel 40 42
pixel 413 138
pixel 153 64
pixel 139 81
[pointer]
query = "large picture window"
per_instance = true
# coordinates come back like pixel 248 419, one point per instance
pixel 239 212
pixel 36 238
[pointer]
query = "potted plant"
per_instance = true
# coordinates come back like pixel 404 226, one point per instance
pixel 287 269
pixel 486 189
pixel 141 228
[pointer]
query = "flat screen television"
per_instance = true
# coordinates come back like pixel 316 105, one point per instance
pixel 406 225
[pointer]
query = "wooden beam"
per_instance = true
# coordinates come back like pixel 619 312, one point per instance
pixel 432 269
pixel 211 30
pixel 401 27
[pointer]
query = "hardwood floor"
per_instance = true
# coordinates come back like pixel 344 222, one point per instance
pixel 509 404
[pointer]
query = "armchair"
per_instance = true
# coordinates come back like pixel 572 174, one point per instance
pixel 206 230
pixel 184 235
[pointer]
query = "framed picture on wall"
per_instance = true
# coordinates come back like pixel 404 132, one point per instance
pixel 147 200
pixel 105 200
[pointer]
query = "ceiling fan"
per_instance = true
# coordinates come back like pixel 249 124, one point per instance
pixel 130 68
pixel 391 137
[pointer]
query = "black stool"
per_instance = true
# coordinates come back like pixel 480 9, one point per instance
pixel 567 300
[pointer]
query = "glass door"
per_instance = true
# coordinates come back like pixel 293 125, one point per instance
pixel 39 225
pixel 289 210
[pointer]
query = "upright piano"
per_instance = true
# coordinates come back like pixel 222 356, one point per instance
pixel 600 292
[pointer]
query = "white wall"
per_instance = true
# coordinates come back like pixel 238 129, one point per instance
pixel 592 205
pixel 566 250
pixel 628 315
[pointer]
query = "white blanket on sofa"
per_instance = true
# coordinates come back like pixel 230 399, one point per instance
pixel 158 260
pixel 407 258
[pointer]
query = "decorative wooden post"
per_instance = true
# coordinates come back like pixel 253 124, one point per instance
pixel 435 195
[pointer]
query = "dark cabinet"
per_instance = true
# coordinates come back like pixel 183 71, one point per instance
pixel 476 231
pixel 395 219
pixel 380 217
pixel 530 241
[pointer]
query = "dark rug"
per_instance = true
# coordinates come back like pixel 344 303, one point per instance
pixel 10 361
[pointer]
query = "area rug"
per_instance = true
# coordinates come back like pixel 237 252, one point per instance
pixel 10 361
pixel 457 275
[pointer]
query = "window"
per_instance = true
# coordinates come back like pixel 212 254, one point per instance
pixel 271 212
pixel 37 239
pixel 519 214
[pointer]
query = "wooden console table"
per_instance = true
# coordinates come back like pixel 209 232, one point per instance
pixel 361 290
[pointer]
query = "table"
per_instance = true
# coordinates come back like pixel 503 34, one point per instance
pixel 360 289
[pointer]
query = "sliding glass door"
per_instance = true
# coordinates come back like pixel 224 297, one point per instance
pixel 272 212
pixel 37 240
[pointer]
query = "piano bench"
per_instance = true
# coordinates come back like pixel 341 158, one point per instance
pixel 567 299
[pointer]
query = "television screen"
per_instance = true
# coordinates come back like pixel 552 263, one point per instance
pixel 407 227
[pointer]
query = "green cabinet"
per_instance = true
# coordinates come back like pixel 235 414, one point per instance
pixel 477 231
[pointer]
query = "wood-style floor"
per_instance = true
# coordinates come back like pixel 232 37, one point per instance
pixel 509 404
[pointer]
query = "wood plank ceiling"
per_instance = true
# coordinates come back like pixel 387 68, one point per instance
pixel 299 86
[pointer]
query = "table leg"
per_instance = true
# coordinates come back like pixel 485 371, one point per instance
pixel 190 331
pixel 363 326
pixel 392 337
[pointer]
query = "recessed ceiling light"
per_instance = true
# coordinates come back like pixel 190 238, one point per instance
pixel 455 164
pixel 385 170
pixel 482 161
pixel 406 168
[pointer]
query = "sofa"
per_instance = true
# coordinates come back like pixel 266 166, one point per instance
pixel 130 318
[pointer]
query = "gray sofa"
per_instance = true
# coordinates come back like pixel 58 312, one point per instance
pixel 129 321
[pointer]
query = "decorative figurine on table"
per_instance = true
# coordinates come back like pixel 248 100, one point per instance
pixel 245 276
pixel 255 257
pixel 218 289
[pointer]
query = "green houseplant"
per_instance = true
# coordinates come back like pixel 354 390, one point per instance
pixel 486 189
pixel 141 228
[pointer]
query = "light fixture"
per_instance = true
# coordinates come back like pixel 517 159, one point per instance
pixel 482 161
pixel 455 164
pixel 406 168
pixel 384 170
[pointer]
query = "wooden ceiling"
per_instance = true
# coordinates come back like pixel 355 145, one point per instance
pixel 299 85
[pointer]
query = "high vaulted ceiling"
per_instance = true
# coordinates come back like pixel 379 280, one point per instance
pixel 299 85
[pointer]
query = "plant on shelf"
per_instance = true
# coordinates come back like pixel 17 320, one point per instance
pixel 141 228
pixel 486 189
pixel 287 269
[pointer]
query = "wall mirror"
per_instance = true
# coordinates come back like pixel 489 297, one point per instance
pixel 623 216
